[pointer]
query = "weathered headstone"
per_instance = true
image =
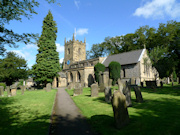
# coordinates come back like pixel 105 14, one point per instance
pixel 70 86
pixel 94 90
pixel 48 87
pixel 106 78
pixel 110 83
pixel 168 80
pixel 121 116
pixel 137 81
pixel 133 81
pixel 22 89
pixel 108 94
pixel 2 91
pixel 8 91
pixel 101 87
pixel 127 93
pixel 138 94
pixel 151 84
pixel 120 85
pixel 161 83
pixel 78 89
pixel 13 90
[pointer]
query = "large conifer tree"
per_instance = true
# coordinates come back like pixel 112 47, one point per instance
pixel 47 60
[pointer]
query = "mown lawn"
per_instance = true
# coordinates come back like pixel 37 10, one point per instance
pixel 27 114
pixel 159 114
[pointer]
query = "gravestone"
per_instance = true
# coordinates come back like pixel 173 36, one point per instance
pixel 22 89
pixel 137 81
pixel 110 83
pixel 77 89
pixel 138 94
pixel 13 90
pixel 70 86
pixel 106 78
pixel 161 84
pixel 48 87
pixel 2 91
pixel 108 94
pixel 127 93
pixel 151 84
pixel 8 91
pixel 121 115
pixel 158 82
pixel 101 87
pixel 120 85
pixel 94 90
pixel 133 81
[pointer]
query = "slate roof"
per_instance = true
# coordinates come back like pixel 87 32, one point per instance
pixel 62 75
pixel 125 58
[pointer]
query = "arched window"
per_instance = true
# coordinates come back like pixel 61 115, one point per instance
pixel 79 51
pixel 71 77
pixel 78 77
pixel 68 51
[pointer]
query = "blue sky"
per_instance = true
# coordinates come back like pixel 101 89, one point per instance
pixel 95 20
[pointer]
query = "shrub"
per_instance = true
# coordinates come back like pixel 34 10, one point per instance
pixel 3 84
pixel 114 71
pixel 97 68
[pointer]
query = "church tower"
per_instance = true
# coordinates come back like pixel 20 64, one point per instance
pixel 75 51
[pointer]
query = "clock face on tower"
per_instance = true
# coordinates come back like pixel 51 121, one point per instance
pixel 68 62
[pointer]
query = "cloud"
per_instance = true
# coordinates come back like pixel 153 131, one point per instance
pixel 159 9
pixel 30 46
pixel 77 3
pixel 19 53
pixel 60 48
pixel 61 60
pixel 82 31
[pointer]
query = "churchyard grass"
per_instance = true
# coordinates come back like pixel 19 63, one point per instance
pixel 158 114
pixel 27 114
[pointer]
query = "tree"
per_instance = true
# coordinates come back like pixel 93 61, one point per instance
pixel 14 10
pixel 114 71
pixel 47 60
pixel 97 50
pixel 13 68
pixel 97 68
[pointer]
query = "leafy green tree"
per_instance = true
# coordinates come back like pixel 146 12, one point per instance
pixel 97 50
pixel 13 68
pixel 97 68
pixel 114 71
pixel 14 10
pixel 47 60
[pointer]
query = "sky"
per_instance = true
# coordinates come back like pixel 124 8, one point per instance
pixel 93 20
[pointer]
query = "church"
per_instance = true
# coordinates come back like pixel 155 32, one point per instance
pixel 77 69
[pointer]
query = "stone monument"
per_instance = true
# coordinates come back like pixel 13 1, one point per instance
pixel 2 91
pixel 94 90
pixel 121 115
pixel 108 94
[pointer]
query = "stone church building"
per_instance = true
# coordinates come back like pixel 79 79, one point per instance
pixel 76 69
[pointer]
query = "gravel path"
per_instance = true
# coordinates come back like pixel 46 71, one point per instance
pixel 67 119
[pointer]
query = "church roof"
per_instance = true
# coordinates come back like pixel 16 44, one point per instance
pixel 62 74
pixel 125 58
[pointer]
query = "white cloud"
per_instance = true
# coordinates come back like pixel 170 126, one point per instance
pixel 30 46
pixel 61 60
pixel 19 53
pixel 60 48
pixel 82 31
pixel 159 9
pixel 77 3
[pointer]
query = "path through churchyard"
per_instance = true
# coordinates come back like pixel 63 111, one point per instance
pixel 67 119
